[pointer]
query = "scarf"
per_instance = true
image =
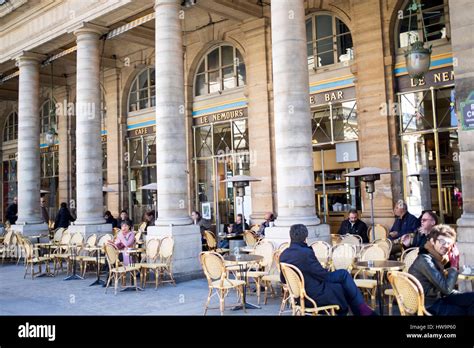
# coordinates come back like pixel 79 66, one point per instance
pixel 440 260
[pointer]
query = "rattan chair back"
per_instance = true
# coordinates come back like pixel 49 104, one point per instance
pixel 250 238
pixel 409 293
pixel 353 239
pixel 166 248
pixel 265 249
pixel 343 256
pixel 409 256
pixel 152 250
pixel 210 239
pixel 91 240
pixel 321 249
pixel 104 239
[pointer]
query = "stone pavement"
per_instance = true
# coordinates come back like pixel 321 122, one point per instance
pixel 53 296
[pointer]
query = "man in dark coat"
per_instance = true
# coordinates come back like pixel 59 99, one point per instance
pixel 64 217
pixel 12 212
pixel 109 219
pixel 354 226
pixel 404 221
pixel 326 288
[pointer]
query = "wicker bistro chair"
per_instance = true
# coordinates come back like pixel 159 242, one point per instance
pixel 283 246
pixel 381 232
pixel 31 260
pixel 217 279
pixel 273 276
pixel 297 294
pixel 62 253
pixel 9 244
pixel 322 251
pixel 353 239
pixel 408 256
pixel 342 256
pixel 409 293
pixel 105 239
pixel 385 244
pixel 335 239
pixel 86 255
pixel 255 228
pixel 264 249
pixel 212 243
pixel 250 238
pixel 368 285
pixel 151 263
pixel 116 270
pixel 165 260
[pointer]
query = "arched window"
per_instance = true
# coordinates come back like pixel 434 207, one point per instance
pixel 221 69
pixel 432 17
pixel 142 91
pixel 48 116
pixel 328 39
pixel 10 130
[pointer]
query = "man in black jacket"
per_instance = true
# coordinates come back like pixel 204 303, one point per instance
pixel 326 288
pixel 63 217
pixel 12 212
pixel 354 226
pixel 438 278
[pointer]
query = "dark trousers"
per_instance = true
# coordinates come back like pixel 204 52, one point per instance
pixel 351 292
pixel 454 304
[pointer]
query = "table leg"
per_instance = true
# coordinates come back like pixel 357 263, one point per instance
pixel 379 292
pixel 98 281
pixel 247 305
pixel 74 276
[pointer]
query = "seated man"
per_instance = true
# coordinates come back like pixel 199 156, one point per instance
pixel 234 228
pixel 354 226
pixel 418 239
pixel 438 278
pixel 269 217
pixel 405 223
pixel 326 288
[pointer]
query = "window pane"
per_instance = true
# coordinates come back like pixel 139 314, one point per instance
pixel 345 121
pixel 152 98
pixel 143 94
pixel 323 26
pixel 152 77
pixel 325 52
pixel 241 71
pixel 202 66
pixel 344 47
pixel 341 28
pixel 416 111
pixel 214 84
pixel 143 80
pixel 144 103
pixel 203 141
pixel 227 55
pixel 309 30
pixel 321 124
pixel 133 102
pixel 136 152
pixel 200 87
pixel 446 108
pixel 150 150
pixel 241 141
pixel 213 60
pixel 222 138
pixel 228 76
pixel 134 86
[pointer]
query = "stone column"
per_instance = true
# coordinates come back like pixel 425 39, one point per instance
pixel 463 48
pixel 88 128
pixel 293 149
pixel 29 212
pixel 259 124
pixel 171 161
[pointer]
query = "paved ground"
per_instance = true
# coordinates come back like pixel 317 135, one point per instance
pixel 54 296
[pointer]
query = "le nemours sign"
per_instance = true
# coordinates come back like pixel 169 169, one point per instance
pixel 433 78
pixel 221 116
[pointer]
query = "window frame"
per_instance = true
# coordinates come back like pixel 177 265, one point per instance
pixel 150 96
pixel 436 42
pixel 11 123
pixel 334 36
pixel 43 116
pixel 220 68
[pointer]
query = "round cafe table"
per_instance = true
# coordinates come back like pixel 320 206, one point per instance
pixel 243 261
pixel 380 267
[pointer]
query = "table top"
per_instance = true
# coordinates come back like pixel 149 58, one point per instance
pixel 385 265
pixel 243 258
pixel 232 236
pixel 468 276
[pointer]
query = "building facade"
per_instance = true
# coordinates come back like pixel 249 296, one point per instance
pixel 247 105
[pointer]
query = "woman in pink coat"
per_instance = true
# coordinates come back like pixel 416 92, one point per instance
pixel 125 239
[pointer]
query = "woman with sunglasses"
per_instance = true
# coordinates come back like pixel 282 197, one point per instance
pixel 437 276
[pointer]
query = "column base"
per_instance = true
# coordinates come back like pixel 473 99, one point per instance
pixel 187 246
pixel 32 230
pixel 281 234
pixel 87 230
pixel 465 243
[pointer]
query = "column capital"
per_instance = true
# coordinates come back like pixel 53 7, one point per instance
pixel 88 28
pixel 24 56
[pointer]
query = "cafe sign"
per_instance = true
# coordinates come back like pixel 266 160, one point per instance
pixel 433 78
pixel 142 131
pixel 332 96
pixel 467 112
pixel 228 115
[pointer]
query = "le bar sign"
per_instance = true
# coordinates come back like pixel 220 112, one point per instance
pixel 467 110
pixel 332 96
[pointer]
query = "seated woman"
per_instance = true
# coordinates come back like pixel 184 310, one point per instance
pixel 437 276
pixel 125 239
